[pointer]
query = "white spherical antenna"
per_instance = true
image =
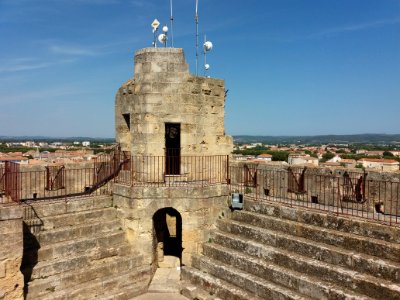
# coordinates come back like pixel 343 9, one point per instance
pixel 206 66
pixel 208 46
pixel 162 38
pixel 165 29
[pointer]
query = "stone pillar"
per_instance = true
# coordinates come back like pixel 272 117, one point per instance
pixel 11 251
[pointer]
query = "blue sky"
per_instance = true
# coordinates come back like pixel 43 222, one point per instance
pixel 292 67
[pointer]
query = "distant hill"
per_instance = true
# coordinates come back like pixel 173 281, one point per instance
pixel 55 139
pixel 378 139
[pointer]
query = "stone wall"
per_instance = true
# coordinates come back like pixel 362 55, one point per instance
pixel 321 185
pixel 198 207
pixel 11 250
pixel 162 91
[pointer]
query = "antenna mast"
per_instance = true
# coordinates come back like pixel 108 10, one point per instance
pixel 197 37
pixel 172 25
pixel 205 55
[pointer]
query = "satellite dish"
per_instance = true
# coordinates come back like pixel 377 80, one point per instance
pixel 208 46
pixel 162 38
pixel 206 66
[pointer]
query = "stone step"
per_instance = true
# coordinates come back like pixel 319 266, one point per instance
pixel 73 219
pixel 41 209
pixel 360 244
pixel 243 280
pixel 117 265
pixel 192 291
pixel 132 280
pixel 102 240
pixel 306 285
pixel 215 286
pixel 352 224
pixel 165 280
pixel 257 247
pixel 287 235
pixel 128 292
pixel 49 268
pixel 75 232
pixel 169 262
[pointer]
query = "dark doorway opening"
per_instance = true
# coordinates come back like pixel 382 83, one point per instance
pixel 127 118
pixel 172 148
pixel 167 224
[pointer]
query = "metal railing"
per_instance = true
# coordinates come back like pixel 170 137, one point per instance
pixel 370 196
pixel 58 181
pixel 343 193
pixel 193 170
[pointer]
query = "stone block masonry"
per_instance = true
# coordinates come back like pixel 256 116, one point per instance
pixel 162 91
pixel 11 248
pixel 198 208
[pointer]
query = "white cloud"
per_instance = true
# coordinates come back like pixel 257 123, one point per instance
pixel 43 95
pixel 21 64
pixel 356 27
pixel 71 50
pixel 28 64
pixel 106 2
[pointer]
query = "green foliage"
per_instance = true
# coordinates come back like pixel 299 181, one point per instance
pixel 312 154
pixel 276 155
pixel 327 156
pixel 388 154
pixel 279 155
pixel 5 149
pixel 247 190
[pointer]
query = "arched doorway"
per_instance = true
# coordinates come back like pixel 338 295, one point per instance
pixel 167 230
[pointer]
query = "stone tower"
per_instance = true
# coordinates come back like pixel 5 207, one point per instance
pixel 164 110
pixel 172 123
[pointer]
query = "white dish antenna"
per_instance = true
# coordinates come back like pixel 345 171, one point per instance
pixel 162 38
pixel 208 46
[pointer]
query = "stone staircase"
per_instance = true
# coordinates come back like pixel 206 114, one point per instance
pixel 270 251
pixel 78 250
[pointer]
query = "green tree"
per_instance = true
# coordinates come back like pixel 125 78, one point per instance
pixel 388 153
pixel 327 156
pixel 279 155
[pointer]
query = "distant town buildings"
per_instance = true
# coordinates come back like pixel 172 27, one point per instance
pixel 264 157
pixel 302 159
pixel 56 152
pixel 298 155
pixel 380 164
pixel 326 156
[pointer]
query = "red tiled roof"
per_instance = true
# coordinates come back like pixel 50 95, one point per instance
pixel 380 160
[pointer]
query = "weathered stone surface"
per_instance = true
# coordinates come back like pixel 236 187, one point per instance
pixel 11 246
pixel 162 91
pixel 313 254
pixel 82 252
pixel 216 287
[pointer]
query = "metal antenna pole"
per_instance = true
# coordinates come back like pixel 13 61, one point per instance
pixel 205 56
pixel 197 37
pixel 172 25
